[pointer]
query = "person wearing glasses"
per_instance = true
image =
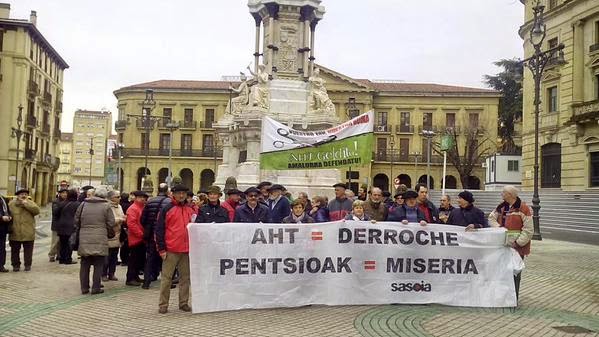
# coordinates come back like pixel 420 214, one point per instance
pixel 252 210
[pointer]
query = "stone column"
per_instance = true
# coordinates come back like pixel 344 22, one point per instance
pixel 312 37
pixel 306 48
pixel 271 39
pixel 578 62
pixel 258 20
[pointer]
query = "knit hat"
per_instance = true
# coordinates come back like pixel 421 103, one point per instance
pixel 467 195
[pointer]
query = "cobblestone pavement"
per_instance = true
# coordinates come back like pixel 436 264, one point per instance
pixel 559 297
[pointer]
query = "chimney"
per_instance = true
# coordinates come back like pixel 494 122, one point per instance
pixel 4 11
pixel 33 18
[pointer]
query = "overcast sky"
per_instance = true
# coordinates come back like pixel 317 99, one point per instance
pixel 110 44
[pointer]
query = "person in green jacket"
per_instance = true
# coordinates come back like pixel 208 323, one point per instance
pixel 23 212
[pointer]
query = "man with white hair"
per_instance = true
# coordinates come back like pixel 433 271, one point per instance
pixel 375 207
pixel 515 215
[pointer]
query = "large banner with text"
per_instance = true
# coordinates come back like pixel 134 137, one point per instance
pixel 348 144
pixel 240 265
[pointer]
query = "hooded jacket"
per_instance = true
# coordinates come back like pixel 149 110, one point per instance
pixel 136 229
pixel 171 227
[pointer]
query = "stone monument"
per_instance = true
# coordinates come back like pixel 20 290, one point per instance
pixel 285 86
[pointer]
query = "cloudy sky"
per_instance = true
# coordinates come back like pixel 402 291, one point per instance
pixel 110 44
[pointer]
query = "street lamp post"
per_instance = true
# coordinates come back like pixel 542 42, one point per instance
pixel 172 126
pixel 537 63
pixel 120 146
pixel 429 136
pixel 18 133
pixel 392 145
pixel 91 158
pixel 148 121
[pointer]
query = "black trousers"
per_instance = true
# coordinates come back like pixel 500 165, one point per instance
pixel 517 282
pixel 15 252
pixel 124 252
pixel 110 261
pixel 3 234
pixel 65 253
pixel 86 263
pixel 137 260
pixel 153 263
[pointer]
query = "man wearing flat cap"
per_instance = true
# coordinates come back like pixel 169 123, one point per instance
pixel 467 215
pixel 341 206
pixel 212 211
pixel 278 205
pixel 252 210
pixel 55 242
pixel 23 212
pixel 172 241
pixel 408 211
pixel 232 202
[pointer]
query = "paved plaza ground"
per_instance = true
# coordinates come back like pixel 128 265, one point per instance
pixel 559 297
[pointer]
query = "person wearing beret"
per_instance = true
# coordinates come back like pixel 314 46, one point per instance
pixel 278 204
pixel 137 248
pixel 252 211
pixel 23 212
pixel 264 187
pixel 61 196
pixel 212 211
pixel 467 215
pixel 408 211
pixel 232 202
pixel 341 206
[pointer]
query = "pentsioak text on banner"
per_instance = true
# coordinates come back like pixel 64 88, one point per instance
pixel 239 265
pixel 348 144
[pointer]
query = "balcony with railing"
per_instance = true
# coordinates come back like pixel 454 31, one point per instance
pixel 450 130
pixel 120 125
pixel 33 88
pixel 47 100
pixel 131 152
pixel 58 106
pixel 57 134
pixel 206 124
pixel 166 124
pixel 396 156
pixel 144 124
pixel 211 152
pixel 45 129
pixel 432 128
pixel 407 129
pixel 31 121
pixel 586 112
pixel 30 154
pixel 594 48
pixel 188 125
pixel 382 128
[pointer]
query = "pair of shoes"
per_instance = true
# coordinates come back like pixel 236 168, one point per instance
pixel 27 268
pixel 101 285
pixel 140 280
pixel 112 278
pixel 70 262
pixel 104 278
pixel 97 291
pixel 16 269
pixel 145 286
pixel 163 310
pixel 83 292
pixel 52 258
pixel 124 264
pixel 133 283
pixel 185 307
pixel 173 286
pixel 3 270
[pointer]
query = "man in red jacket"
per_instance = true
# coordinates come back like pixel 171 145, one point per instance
pixel 135 236
pixel 233 197
pixel 173 246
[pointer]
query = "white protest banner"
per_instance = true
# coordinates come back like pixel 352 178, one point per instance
pixel 240 265
pixel 347 144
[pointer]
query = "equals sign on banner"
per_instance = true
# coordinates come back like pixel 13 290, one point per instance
pixel 369 265
pixel 316 235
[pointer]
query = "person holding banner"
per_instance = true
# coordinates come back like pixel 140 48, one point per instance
pixel 467 215
pixel 357 213
pixel 298 214
pixel 232 202
pixel 408 211
pixel 212 211
pixel 431 213
pixel 319 211
pixel 514 215
pixel 172 241
pixel 340 206
pixel 252 211
pixel 375 208
pixel 278 204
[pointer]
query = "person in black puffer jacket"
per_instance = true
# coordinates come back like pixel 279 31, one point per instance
pixel 467 215
pixel 149 217
pixel 65 225
pixel 213 211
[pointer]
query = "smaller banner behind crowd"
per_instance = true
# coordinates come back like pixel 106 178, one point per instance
pixel 348 144
pixel 240 265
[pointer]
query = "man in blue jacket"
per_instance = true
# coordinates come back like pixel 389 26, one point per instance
pixel 467 215
pixel 252 210
pixel 278 204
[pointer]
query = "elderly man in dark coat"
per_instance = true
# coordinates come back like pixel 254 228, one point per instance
pixel 94 220
pixel 467 215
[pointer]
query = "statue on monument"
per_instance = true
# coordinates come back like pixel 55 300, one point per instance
pixel 259 91
pixel 241 100
pixel 319 98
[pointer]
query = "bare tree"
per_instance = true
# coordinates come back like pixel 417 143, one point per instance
pixel 472 155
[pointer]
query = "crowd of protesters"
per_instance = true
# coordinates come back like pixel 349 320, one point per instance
pixel 150 234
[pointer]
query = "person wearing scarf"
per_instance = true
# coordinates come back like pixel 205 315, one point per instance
pixel 298 214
